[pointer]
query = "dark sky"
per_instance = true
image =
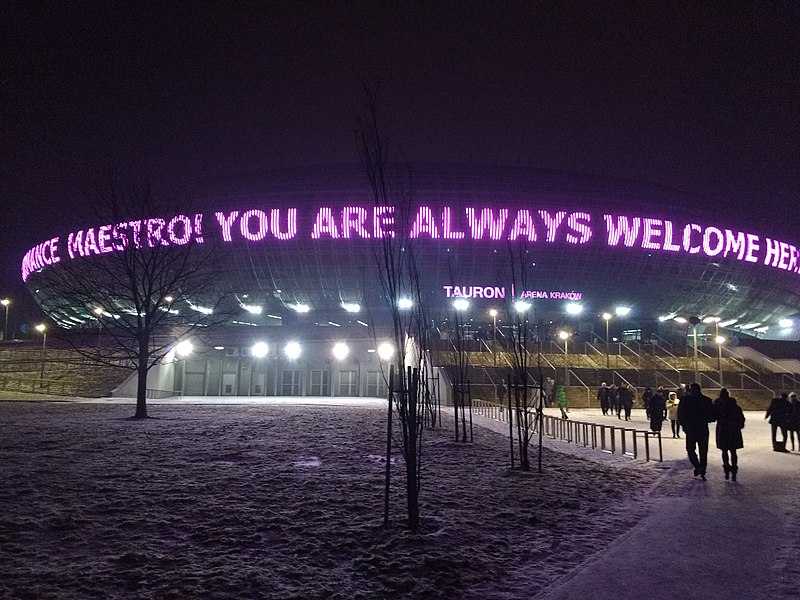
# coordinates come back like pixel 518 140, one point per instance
pixel 700 97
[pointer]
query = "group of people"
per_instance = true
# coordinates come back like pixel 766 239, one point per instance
pixel 784 416
pixel 693 411
pixel 615 399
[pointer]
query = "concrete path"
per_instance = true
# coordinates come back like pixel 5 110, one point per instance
pixel 703 540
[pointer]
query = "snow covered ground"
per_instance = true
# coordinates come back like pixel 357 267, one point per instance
pixel 275 499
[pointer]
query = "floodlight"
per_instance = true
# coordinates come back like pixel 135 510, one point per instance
pixel 493 313
pixel 621 311
pixel 340 351
pixel 292 350
pixel 184 348
pixel 786 323
pixel 41 327
pixel 708 320
pixel 301 308
pixel 385 351
pixel 405 303
pixel 681 320
pixel 351 307
pixel 461 304
pixel 607 316
pixel 259 349
pixel 563 335
pixel 252 309
pixel 521 305
pixel 720 339
pixel 574 308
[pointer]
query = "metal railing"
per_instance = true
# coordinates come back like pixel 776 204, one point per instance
pixel 606 438
pixel 743 376
pixel 154 394
pixel 588 391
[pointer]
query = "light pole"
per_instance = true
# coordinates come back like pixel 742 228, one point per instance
pixel 493 314
pixel 42 328
pixel 565 336
pixel 607 318
pixel 5 302
pixel 695 321
pixel 720 340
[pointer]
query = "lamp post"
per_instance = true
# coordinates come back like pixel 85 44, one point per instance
pixel 607 318
pixel 42 328
pixel 493 314
pixel 694 321
pixel 6 302
pixel 565 336
pixel 720 340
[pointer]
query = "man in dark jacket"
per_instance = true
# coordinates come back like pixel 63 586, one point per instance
pixel 603 398
pixel 695 412
pixel 779 414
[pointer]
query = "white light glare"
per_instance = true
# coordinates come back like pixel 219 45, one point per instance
pixel 563 335
pixel 762 329
pixel 719 339
pixel 252 309
pixel 202 309
pixel 749 325
pixel 259 349
pixel 574 308
pixel 521 305
pixel 607 316
pixel 292 350
pixel 461 304
pixel 340 351
pixel 681 320
pixel 786 323
pixel 385 351
pixel 301 308
pixel 622 310
pixel 666 317
pixel 351 307
pixel 708 320
pixel 727 323
pixel 404 303
pixel 184 348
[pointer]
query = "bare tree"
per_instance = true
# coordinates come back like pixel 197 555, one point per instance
pixel 146 277
pixel 526 355
pixel 396 263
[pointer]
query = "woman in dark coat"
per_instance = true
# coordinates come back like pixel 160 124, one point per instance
pixel 658 406
pixel 730 422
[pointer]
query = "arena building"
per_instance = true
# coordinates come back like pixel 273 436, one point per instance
pixel 300 250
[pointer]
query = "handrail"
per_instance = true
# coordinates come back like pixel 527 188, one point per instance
pixel 636 354
pixel 712 380
pixel 588 391
pixel 672 384
pixel 739 360
pixel 598 436
pixel 622 378
pixel 591 358
pixel 668 365
pixel 743 375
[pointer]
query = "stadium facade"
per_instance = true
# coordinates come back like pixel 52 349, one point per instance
pixel 299 248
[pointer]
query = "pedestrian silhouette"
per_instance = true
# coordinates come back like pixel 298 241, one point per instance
pixel 695 412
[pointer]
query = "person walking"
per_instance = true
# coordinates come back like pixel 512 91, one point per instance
pixel 603 397
pixel 647 396
pixel 695 412
pixel 794 422
pixel 561 400
pixel 625 400
pixel 672 413
pixel 779 414
pixel 616 405
pixel 730 422
pixel 657 408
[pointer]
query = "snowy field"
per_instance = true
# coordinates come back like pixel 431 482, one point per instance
pixel 284 501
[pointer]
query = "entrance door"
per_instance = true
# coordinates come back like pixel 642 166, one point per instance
pixel 228 384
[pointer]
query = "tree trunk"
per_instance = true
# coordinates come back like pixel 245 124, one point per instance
pixel 141 388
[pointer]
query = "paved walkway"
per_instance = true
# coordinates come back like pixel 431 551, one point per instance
pixel 704 540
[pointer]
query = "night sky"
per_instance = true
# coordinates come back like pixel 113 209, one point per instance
pixel 703 99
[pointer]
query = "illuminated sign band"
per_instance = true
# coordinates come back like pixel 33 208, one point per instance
pixel 447 223
pixel 495 292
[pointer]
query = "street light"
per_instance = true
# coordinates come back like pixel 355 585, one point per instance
pixel 98 312
pixel 340 351
pixel 607 318
pixel 720 340
pixel 493 314
pixel 695 321
pixel 5 302
pixel 565 336
pixel 42 328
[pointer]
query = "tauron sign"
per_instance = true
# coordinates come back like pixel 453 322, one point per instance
pixel 447 223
